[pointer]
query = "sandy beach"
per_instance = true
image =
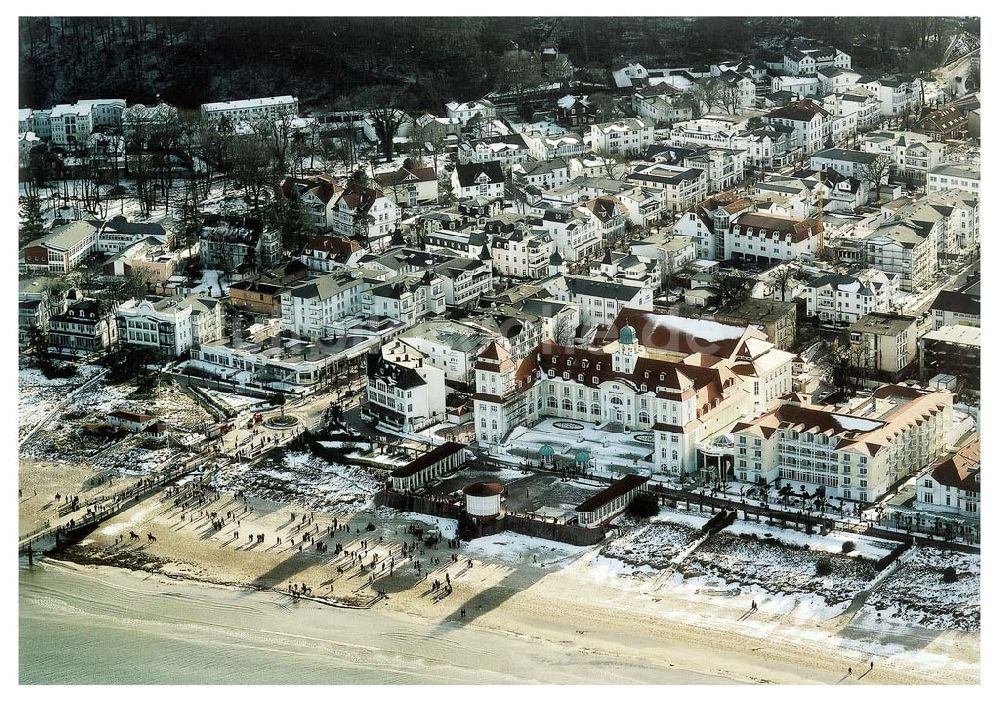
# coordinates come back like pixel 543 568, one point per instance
pixel 522 588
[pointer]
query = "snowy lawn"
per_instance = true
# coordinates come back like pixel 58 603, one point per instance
pixel 655 545
pixel 917 594
pixel 304 480
pixel 766 563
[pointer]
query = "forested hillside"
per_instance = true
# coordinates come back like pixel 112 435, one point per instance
pixel 188 61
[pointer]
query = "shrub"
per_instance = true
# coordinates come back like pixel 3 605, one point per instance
pixel 950 575
pixel 823 567
pixel 644 505
pixel 848 547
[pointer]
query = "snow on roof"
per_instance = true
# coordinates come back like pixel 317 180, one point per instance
pixel 249 103
pixel 702 329
pixel 853 423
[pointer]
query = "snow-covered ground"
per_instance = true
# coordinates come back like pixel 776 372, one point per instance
pixel 302 479
pixel 610 453
pixel 917 594
pixel 38 395
pixel 66 439
pixel 654 545
pixel 512 548
pixel 768 564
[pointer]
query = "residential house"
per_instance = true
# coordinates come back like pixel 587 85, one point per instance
pixel 958 176
pixel 957 307
pixel 708 222
pixel 949 490
pixel 312 308
pixel 450 346
pixel 883 342
pixel 946 123
pixel 774 318
pixel 366 215
pixel 552 147
pixel 409 187
pixel 766 238
pixel 464 112
pixel 682 186
pixel 812 60
pixel 485 180
pixel 84 328
pixel 232 242
pixel 405 299
pixel 508 150
pixel 325 254
pixel 405 391
pixel 574 111
pixel 318 194
pixel 807 119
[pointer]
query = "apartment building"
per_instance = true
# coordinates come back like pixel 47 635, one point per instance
pixel 626 136
pixel 883 342
pixel 841 300
pixel 854 452
pixel 251 109
pixel 171 325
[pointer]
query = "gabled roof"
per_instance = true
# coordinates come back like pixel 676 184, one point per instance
pixel 468 175
pixel 961 470
pixel 405 176
pixel 804 110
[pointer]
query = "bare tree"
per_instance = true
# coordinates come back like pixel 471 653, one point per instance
pixel 252 170
pixel 707 92
pixel 781 279
pixel 875 172
pixel 382 102
pixel 729 96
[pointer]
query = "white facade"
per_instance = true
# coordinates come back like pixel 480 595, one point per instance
pixel 251 109
pixel 172 326
pixel 843 300
pixel 627 136
pixel 311 308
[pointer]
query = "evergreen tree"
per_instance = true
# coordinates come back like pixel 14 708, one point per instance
pixel 32 221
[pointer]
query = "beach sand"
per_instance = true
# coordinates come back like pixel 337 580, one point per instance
pixel 40 481
pixel 526 588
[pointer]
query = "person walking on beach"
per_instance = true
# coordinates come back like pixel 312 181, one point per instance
pixel 849 671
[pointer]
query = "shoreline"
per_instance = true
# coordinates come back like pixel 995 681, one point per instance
pixel 773 659
pixel 573 599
